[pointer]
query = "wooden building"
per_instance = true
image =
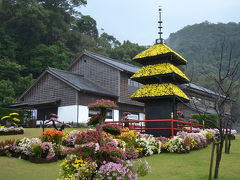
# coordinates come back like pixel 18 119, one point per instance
pixel 90 77
pixel 202 100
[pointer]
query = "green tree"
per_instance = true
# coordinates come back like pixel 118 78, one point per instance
pixel 43 56
pixel 7 45
pixel 6 92
pixel 9 70
pixel 88 26
pixel 22 84
pixel 107 41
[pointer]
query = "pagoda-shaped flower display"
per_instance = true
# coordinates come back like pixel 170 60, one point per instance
pixel 160 78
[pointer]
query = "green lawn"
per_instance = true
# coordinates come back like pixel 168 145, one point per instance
pixel 192 166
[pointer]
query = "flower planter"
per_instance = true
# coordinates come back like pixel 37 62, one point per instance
pixel 42 160
pixel 2 153
pixel 16 155
pixel 25 157
pixel 11 133
pixel 60 156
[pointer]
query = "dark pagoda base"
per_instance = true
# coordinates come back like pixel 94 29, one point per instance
pixel 160 109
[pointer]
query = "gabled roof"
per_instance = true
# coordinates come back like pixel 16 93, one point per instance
pixel 200 88
pixel 34 103
pixel 79 82
pixel 76 81
pixel 202 109
pixel 120 65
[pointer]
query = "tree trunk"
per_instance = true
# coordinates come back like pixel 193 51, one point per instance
pixel 229 146
pixel 226 143
pixel 103 113
pixel 211 162
pixel 229 141
pixel 218 158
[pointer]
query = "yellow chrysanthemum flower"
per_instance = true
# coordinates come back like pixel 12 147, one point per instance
pixel 16 119
pixel 14 114
pixel 157 69
pixel 158 49
pixel 5 117
pixel 158 90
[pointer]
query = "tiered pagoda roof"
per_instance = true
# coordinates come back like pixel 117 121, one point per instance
pixel 159 74
pixel 159 53
pixel 153 91
pixel 165 71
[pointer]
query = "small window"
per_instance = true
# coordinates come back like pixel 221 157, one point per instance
pixel 134 83
pixel 129 82
pixel 94 112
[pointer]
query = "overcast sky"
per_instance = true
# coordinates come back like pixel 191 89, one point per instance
pixel 136 20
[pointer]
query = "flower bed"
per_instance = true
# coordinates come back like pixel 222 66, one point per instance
pixel 8 125
pixel 11 130
pixel 116 159
pixel 46 149
pixel 87 159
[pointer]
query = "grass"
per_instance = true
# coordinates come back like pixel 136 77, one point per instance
pixel 170 166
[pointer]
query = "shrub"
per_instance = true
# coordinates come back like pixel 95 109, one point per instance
pixel 210 120
pixel 52 135
pixel 116 171
pixel 37 150
pixel 74 167
pixel 129 137
pixel 113 129
pixel 25 145
pixel 11 130
pixel 22 114
pixel 86 137
pixel 141 167
pixel 110 154
pixel 174 145
pixel 131 153
pixel 93 120
pixel 87 150
pixel 103 103
pixel 10 120
pixel 149 144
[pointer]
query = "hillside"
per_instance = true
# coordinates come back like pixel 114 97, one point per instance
pixel 201 44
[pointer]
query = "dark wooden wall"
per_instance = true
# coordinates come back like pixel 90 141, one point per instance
pixel 125 94
pixel 85 98
pixel 100 73
pixel 51 88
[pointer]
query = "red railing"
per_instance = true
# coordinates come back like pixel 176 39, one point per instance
pixel 134 125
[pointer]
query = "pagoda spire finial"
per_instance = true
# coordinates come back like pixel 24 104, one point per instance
pixel 160 40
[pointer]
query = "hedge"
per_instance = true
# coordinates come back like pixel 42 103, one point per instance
pixel 210 120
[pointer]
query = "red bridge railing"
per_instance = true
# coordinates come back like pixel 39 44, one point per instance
pixel 134 125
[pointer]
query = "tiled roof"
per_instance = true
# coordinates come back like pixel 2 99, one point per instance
pixel 79 82
pixel 200 88
pixel 122 66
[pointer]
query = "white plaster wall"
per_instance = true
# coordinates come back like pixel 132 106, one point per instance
pixel 83 112
pixel 141 116
pixel 67 114
pixel 115 115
